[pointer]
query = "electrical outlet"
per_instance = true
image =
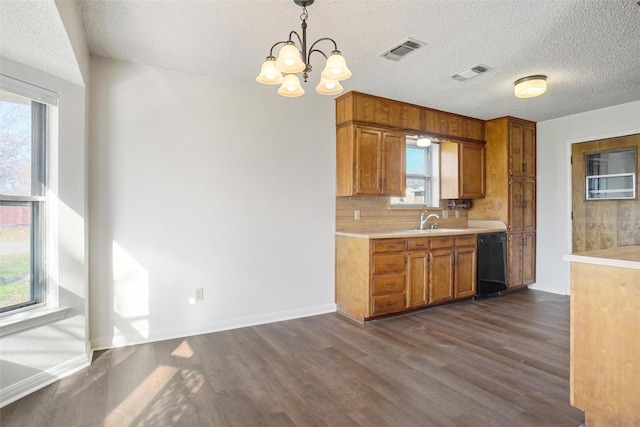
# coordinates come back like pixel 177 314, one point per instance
pixel 445 214
pixel 199 294
pixel 356 214
pixel 457 213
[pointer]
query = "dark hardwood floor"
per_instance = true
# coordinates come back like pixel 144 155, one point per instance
pixel 493 362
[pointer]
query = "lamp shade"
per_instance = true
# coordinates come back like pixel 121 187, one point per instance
pixel 528 87
pixel 336 67
pixel 291 86
pixel 289 60
pixel 269 75
pixel 329 87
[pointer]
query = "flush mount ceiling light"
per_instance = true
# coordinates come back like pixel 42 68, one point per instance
pixel 293 59
pixel 528 87
pixel 423 141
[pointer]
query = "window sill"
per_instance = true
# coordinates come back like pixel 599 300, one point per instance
pixel 30 319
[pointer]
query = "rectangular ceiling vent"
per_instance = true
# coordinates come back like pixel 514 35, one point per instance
pixel 402 49
pixel 471 72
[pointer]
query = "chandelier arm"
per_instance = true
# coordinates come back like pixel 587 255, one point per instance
pixel 335 45
pixel 319 51
pixel 297 35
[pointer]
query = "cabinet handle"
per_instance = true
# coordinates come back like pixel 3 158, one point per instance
pixel 391 264
pixel 524 242
pixel 384 185
pixel 524 204
pixel 389 304
pixel 524 167
pixel 391 284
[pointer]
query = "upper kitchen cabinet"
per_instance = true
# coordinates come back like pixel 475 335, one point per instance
pixel 462 170
pixel 522 148
pixel 369 161
pixel 356 107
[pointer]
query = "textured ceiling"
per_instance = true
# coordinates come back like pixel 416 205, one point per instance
pixel 589 49
pixel 31 32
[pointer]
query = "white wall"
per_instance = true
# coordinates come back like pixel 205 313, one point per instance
pixel 204 183
pixel 554 139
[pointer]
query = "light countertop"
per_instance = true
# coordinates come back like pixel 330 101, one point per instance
pixel 475 227
pixel 625 257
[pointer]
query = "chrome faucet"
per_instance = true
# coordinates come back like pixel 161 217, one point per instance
pixel 424 220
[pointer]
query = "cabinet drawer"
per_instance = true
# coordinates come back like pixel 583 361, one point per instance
pixel 388 263
pixel 469 240
pixel 418 244
pixel 388 304
pixel 388 245
pixel 387 284
pixel 442 242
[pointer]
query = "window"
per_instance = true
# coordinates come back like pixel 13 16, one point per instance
pixel 422 168
pixel 23 126
pixel 611 175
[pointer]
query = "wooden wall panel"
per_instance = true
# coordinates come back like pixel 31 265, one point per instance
pixel 601 224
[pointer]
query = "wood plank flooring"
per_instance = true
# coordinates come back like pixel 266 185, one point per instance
pixel 492 362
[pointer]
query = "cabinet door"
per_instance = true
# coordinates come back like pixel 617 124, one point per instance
pixel 367 161
pixel 441 275
pixel 515 149
pixel 417 278
pixel 472 173
pixel 462 173
pixel 529 151
pixel 465 283
pixel 516 202
pixel 393 164
pixel 514 259
pixel 411 118
pixel 529 204
pixel 522 149
pixel 528 258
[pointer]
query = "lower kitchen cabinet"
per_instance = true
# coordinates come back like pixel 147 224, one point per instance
pixel 521 257
pixel 376 277
pixel 466 261
pixel 441 269
pixel 417 278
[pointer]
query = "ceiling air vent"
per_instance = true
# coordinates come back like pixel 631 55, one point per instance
pixel 403 49
pixel 471 72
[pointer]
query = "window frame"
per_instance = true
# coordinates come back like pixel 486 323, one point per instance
pixel 431 176
pixel 36 201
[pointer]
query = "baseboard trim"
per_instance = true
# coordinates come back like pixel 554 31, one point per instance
pixel 42 379
pixel 222 325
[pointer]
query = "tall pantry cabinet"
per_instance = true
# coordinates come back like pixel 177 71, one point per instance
pixel 511 193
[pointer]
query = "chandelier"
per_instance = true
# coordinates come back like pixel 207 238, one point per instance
pixel 293 59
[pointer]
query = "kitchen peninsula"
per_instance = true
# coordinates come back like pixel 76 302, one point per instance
pixel 605 322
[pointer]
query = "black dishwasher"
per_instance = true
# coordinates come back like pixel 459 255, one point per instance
pixel 492 263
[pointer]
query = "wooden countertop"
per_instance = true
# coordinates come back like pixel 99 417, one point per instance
pixel 625 257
